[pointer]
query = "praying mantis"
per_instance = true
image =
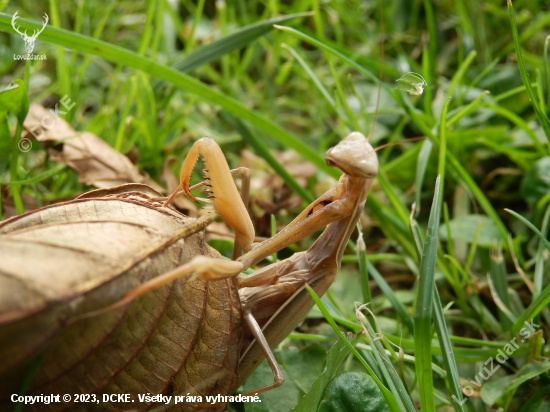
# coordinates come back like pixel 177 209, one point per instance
pixel 197 301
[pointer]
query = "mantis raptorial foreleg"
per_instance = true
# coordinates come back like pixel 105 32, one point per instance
pixel 221 188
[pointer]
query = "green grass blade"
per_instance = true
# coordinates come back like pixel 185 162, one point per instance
pixel 148 27
pixel 424 306
pixel 542 301
pixel 539 266
pixel 473 246
pixel 540 91
pixel 426 70
pixel 196 17
pixel 232 41
pixel 443 144
pixel 421 166
pixel 469 355
pixel 417 234
pixel 363 271
pixel 546 70
pixel 519 122
pixel 360 58
pixel 498 281
pixel 48 173
pixel 530 226
pixel 335 53
pixel 486 70
pixel 447 351
pixel 432 40
pixel 310 73
pixel 400 208
pixel 63 74
pixel 457 77
pixel 474 104
pixel 351 120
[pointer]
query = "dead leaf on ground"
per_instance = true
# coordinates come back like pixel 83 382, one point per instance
pixel 97 163
pixel 70 259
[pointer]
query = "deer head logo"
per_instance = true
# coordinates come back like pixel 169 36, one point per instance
pixel 29 40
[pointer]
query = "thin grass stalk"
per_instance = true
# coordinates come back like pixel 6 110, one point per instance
pixel 442 132
pixel 547 71
pixel 196 17
pixel 363 271
pixel 447 351
pixel 499 278
pixel 421 166
pixel 63 74
pixel 424 306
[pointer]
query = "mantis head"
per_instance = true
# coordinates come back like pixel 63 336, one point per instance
pixel 354 156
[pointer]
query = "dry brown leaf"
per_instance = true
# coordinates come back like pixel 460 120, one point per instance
pixel 80 256
pixel 97 163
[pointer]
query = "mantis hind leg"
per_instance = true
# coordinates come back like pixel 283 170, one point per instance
pixel 278 378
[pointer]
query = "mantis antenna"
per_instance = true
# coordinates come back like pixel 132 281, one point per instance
pixel 412 139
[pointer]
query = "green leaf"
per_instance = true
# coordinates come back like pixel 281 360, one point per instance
pixel 464 228
pixel 302 366
pixel 353 392
pixel 232 41
pixel 412 83
pixel 495 389
pixel 535 183
pixel 14 99
pixel 334 359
